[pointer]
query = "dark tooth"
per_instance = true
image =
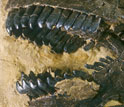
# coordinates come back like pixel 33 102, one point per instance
pixel 43 76
pixel 70 42
pixel 97 68
pixel 95 25
pixel 79 73
pixel 20 88
pixel 58 79
pixel 51 82
pixel 26 85
pixel 17 32
pixel 34 16
pixel 104 60
pixel 25 18
pixel 50 35
pixel 66 76
pixel 42 85
pixel 53 18
pixel 89 45
pixel 87 23
pixel 40 36
pixel 35 32
pixel 70 21
pixel 27 32
pixel 10 22
pixel 35 89
pixel 97 64
pixel 24 77
pixel 32 85
pixel 57 38
pixel 58 72
pixel 78 23
pixel 88 66
pixel 44 38
pixel 44 15
pixel 109 58
pixel 59 47
pixel 33 21
pixel 17 18
pixel 32 76
pixel 24 21
pixel 65 14
pixel 77 44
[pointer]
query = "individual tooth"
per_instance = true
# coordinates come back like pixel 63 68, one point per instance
pixel 44 15
pixel 32 76
pixel 109 58
pixel 89 46
pixel 34 16
pixel 35 89
pixel 42 85
pixel 59 48
pixel 27 32
pixel 95 25
pixel 78 73
pixel 88 66
pixel 66 76
pixel 104 60
pixel 25 18
pixel 87 23
pixel 77 44
pixel 33 21
pixel 25 85
pixel 79 21
pixel 17 18
pixel 64 16
pixel 17 23
pixel 58 38
pixel 24 76
pixel 50 35
pixel 39 38
pixel 70 21
pixel 33 34
pixel 10 21
pixel 95 67
pixel 53 18
pixel 84 75
pixel 20 88
pixel 58 79
pixel 32 85
pixel 99 64
pixel 69 43
pixel 51 82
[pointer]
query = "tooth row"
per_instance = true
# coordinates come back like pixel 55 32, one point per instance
pixel 35 86
pixel 42 84
pixel 40 15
